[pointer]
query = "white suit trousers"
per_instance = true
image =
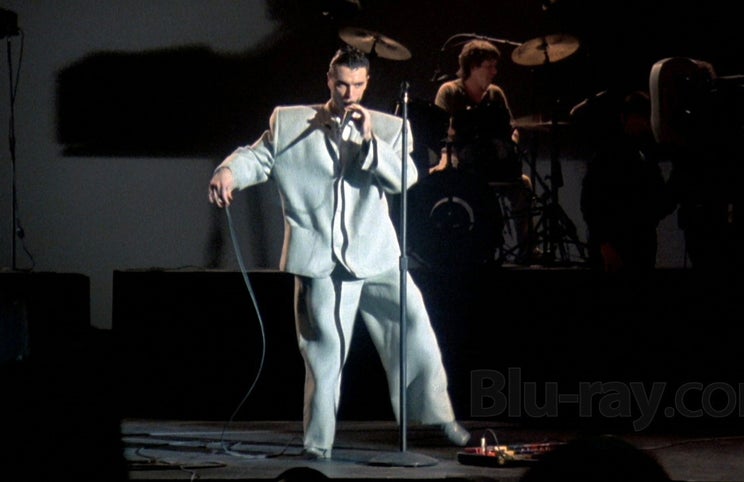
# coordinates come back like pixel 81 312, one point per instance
pixel 325 312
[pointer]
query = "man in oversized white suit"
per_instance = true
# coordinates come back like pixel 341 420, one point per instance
pixel 333 165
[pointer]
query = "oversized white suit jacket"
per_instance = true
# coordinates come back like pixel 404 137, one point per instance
pixel 333 187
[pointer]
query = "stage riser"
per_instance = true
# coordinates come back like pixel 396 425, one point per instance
pixel 191 342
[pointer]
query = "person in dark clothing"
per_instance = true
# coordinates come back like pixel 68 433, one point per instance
pixel 624 194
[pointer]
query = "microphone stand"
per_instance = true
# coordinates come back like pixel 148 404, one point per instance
pixel 403 458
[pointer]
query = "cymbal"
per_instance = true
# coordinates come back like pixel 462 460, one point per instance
pixel 365 40
pixel 544 50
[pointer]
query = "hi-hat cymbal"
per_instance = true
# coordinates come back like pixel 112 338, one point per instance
pixel 374 43
pixel 544 50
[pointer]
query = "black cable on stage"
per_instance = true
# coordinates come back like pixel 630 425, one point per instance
pixel 244 273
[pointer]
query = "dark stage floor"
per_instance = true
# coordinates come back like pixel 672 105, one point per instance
pixel 192 450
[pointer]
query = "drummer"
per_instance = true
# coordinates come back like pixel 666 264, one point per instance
pixel 482 140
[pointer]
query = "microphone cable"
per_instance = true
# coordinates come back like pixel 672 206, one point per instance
pixel 244 273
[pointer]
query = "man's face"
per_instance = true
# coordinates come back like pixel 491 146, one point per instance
pixel 484 73
pixel 347 85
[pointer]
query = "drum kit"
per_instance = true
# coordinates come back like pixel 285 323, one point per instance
pixel 452 228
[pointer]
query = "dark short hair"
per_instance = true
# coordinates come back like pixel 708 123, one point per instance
pixel 474 53
pixel 349 56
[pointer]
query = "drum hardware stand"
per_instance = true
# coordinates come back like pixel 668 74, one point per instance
pixel 536 209
pixel 554 229
pixel 554 226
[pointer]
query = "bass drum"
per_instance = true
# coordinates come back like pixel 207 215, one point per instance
pixel 454 221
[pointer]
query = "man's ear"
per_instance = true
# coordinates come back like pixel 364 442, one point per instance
pixel 329 80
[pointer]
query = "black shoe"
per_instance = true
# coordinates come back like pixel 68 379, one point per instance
pixel 456 433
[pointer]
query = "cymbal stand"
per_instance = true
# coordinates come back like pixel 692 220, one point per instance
pixel 555 226
pixel 506 248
